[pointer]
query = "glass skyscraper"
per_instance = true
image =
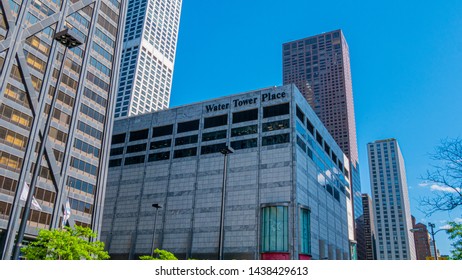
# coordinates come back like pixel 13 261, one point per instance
pixel 56 108
pixel 320 68
pixel 148 57
pixel 390 201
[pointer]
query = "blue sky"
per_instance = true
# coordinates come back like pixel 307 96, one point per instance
pixel 406 62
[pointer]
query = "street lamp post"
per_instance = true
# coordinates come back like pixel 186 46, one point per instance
pixel 225 151
pixel 68 41
pixel 157 206
pixel 432 226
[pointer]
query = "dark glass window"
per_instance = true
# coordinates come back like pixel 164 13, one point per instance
pixel 117 151
pixel 245 116
pixel 161 144
pixel 215 121
pixel 245 130
pixel 188 126
pixel 310 126
pixel 301 143
pixel 214 135
pixel 162 130
pixel 185 140
pixel 136 148
pixel 115 162
pixel 118 138
pixel 244 144
pixel 300 114
pixel 334 157
pixel 159 156
pixel 276 125
pixel 327 149
pixel 212 148
pixel 319 138
pixel 276 110
pixel 134 160
pixel 139 135
pixel 275 139
pixel 185 153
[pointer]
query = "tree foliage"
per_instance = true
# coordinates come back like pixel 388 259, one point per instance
pixel 160 255
pixel 65 244
pixel 455 234
pixel 447 174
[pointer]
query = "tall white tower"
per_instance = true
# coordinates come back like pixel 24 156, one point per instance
pixel 148 57
pixel 391 201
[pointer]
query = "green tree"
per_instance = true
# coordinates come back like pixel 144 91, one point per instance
pixel 65 244
pixel 455 234
pixel 160 255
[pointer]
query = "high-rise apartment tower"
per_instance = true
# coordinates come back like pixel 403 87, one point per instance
pixel 391 201
pixel 320 67
pixel 58 66
pixel 148 57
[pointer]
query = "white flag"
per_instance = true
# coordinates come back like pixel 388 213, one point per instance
pixel 25 192
pixel 67 212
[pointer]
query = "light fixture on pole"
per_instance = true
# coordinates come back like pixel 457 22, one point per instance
pixel 157 206
pixel 69 41
pixel 225 151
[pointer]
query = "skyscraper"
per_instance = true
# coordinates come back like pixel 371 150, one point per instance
pixel 148 57
pixel 422 241
pixel 320 68
pixel 58 63
pixel 391 201
pixel 369 228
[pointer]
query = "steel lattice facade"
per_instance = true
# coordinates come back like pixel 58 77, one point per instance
pixel 79 95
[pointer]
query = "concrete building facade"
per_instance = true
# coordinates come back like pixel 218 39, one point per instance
pixel 320 67
pixel 391 201
pixel 286 190
pixel 148 57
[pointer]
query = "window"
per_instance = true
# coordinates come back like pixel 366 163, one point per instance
pixel 162 130
pixel 245 130
pixel 81 185
pixel 188 126
pixel 160 144
pixel 244 144
pixel 138 135
pixel 215 121
pixel 275 229
pixel 214 135
pixel 134 160
pixel 305 232
pixel 118 138
pixel 276 125
pixel 245 116
pixel 185 153
pixel 212 148
pixel 319 138
pixel 309 126
pixel 136 148
pixel 115 162
pixel 276 110
pixel 275 139
pixel 159 156
pixel 117 151
pixel 186 140
pixel 301 144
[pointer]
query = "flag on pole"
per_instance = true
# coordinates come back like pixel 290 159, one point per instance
pixel 25 192
pixel 67 212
